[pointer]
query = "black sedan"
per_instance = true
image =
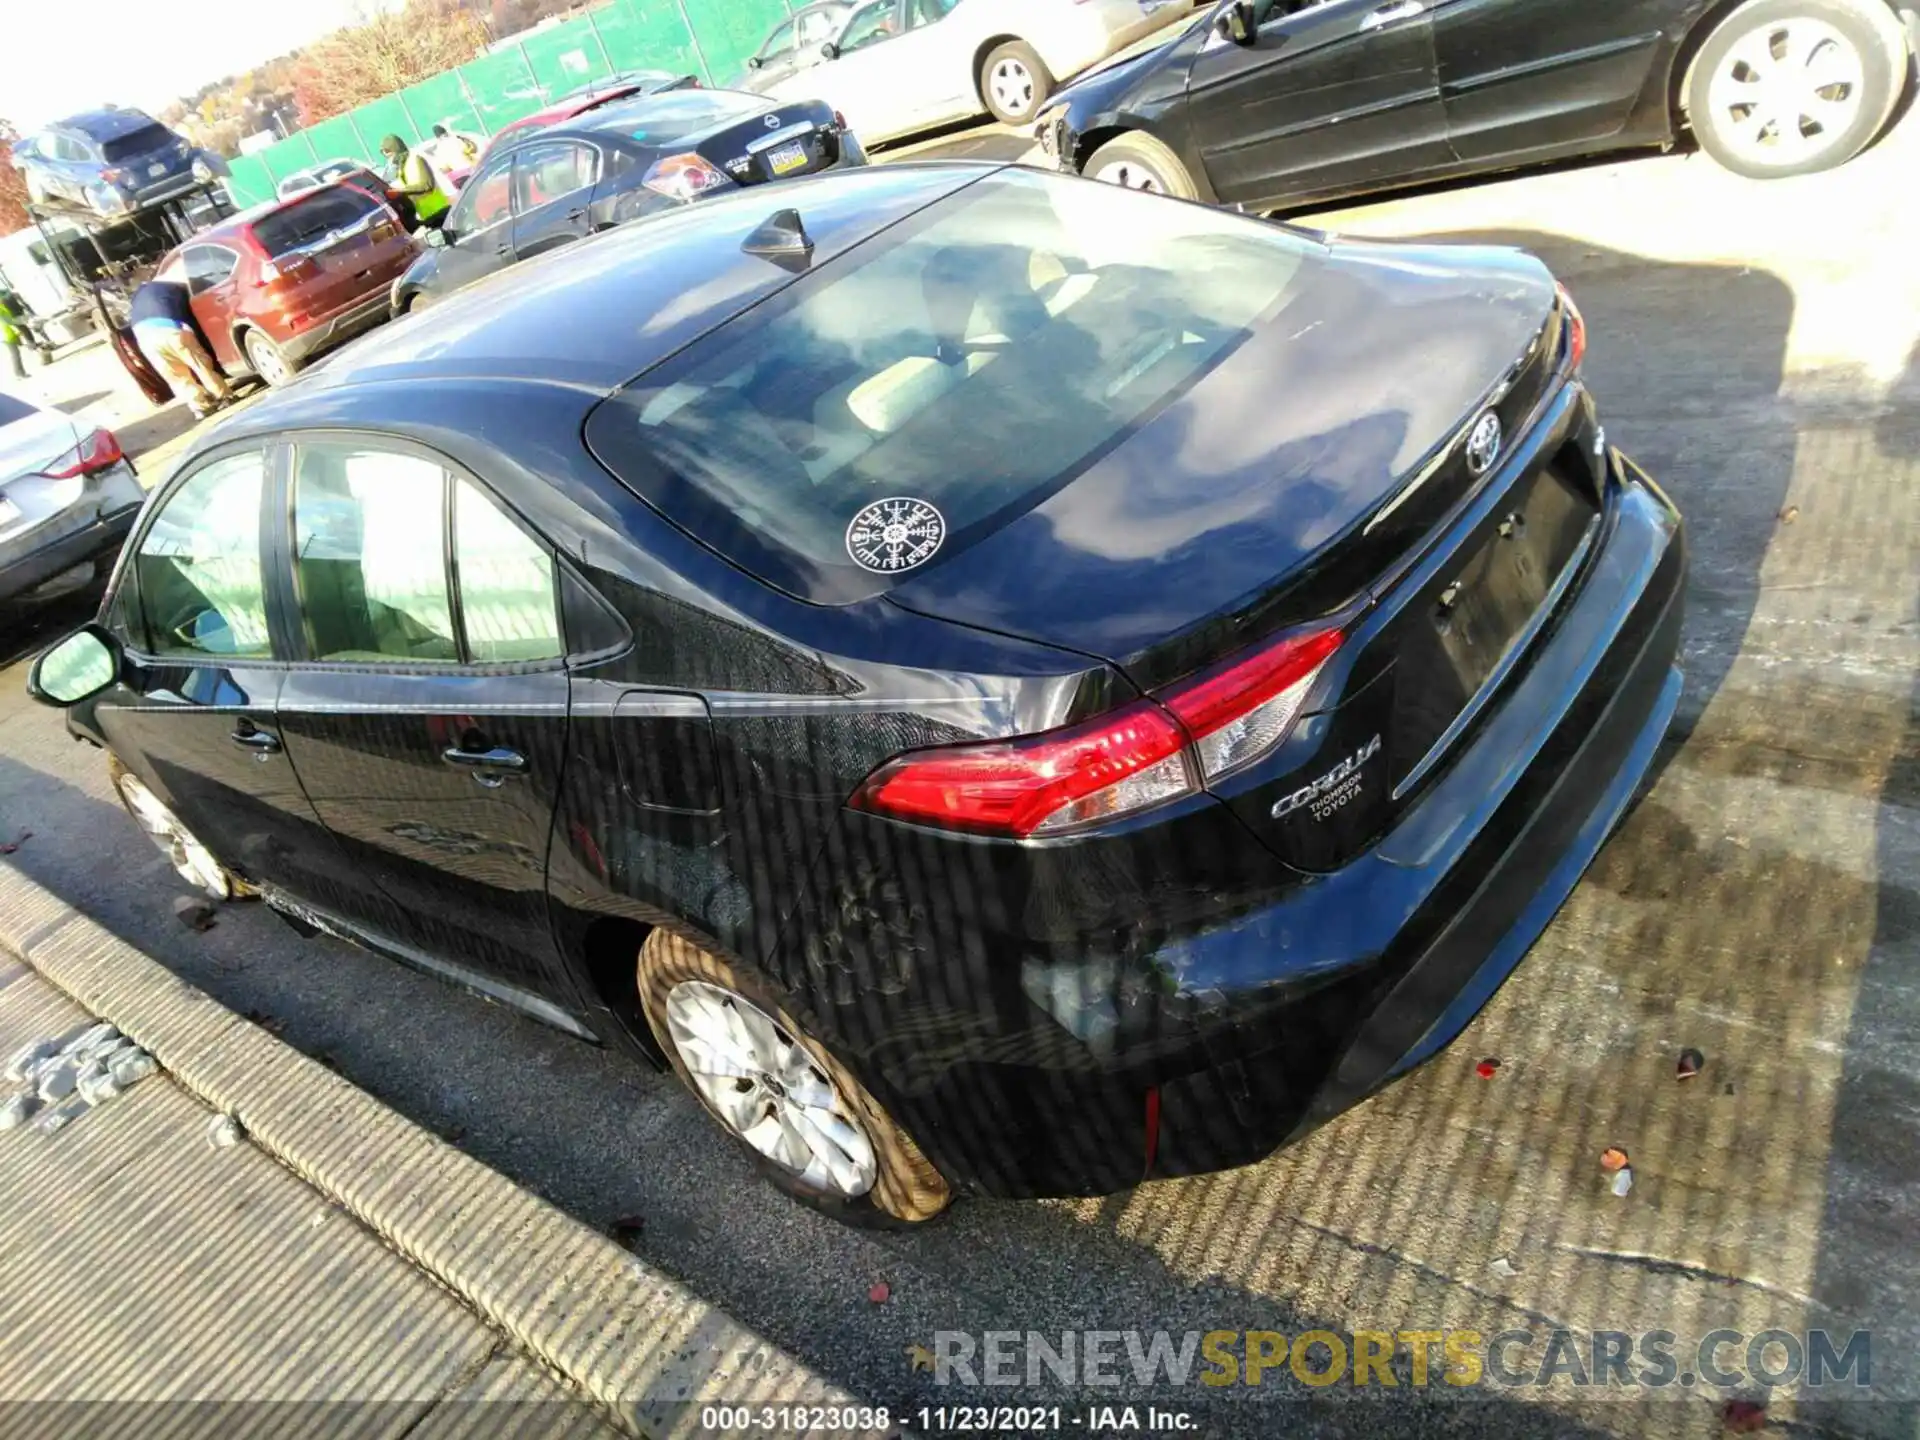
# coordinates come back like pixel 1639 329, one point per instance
pixel 998 681
pixel 1279 103
pixel 554 186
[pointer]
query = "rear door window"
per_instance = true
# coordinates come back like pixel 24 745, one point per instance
pixel 960 367
pixel 198 565
pixel 309 220
pixel 207 266
pixel 548 170
pixel 369 547
pixel 377 581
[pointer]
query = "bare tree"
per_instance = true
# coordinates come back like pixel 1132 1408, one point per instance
pixel 387 51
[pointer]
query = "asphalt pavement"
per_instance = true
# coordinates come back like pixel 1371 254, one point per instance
pixel 1757 348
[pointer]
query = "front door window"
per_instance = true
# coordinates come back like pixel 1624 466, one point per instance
pixel 198 565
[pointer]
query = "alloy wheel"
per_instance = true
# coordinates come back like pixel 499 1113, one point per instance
pixel 268 363
pixel 1012 85
pixel 1786 91
pixel 1131 175
pixel 191 860
pixel 765 1087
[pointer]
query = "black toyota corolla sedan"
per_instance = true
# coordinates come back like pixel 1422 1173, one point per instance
pixel 553 186
pixel 1280 103
pixel 999 681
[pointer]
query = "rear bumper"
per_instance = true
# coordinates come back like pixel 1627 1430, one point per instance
pixel 1243 1035
pixel 93 529
pixel 337 329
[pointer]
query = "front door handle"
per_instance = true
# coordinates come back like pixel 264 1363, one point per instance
pixel 255 739
pixel 490 767
pixel 1387 14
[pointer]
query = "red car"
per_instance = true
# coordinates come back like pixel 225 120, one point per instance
pixel 604 91
pixel 275 285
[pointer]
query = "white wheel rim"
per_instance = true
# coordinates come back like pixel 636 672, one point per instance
pixel 191 860
pixel 1131 175
pixel 267 361
pixel 1786 92
pixel 1011 84
pixel 766 1088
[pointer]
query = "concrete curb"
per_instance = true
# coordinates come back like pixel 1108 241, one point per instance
pixel 625 1334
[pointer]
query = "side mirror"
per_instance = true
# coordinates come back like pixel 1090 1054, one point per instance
pixel 830 50
pixel 1236 23
pixel 78 668
pixel 436 239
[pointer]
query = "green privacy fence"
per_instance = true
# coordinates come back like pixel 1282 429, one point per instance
pixel 708 38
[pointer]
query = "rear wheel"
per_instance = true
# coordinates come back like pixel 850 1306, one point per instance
pixel 268 360
pixel 810 1126
pixel 191 860
pixel 1140 162
pixel 1014 82
pixel 1790 87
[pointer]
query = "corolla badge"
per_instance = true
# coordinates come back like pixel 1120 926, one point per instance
pixel 1333 789
pixel 895 534
pixel 1483 444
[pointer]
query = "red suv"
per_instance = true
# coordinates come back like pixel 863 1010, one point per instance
pixel 275 285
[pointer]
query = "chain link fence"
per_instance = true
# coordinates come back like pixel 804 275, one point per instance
pixel 708 38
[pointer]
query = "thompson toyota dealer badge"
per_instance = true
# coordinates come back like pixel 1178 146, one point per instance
pixel 895 534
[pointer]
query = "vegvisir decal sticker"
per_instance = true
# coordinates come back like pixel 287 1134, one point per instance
pixel 895 534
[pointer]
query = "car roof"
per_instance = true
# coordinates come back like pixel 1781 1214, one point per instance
pixel 106 124
pixel 594 315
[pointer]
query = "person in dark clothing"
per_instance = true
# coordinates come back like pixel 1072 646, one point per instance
pixel 164 329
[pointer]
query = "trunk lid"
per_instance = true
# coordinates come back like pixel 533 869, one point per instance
pixel 1284 483
pixel 28 444
pixel 795 139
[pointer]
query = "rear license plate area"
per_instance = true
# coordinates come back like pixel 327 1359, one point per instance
pixel 788 158
pixel 1462 628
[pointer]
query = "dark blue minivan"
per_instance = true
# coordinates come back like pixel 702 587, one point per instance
pixel 109 161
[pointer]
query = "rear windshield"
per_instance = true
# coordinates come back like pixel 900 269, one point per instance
pixel 967 363
pixel 12 409
pixel 144 141
pixel 312 218
pixel 672 115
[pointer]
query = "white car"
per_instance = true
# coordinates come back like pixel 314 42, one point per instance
pixel 68 497
pixel 897 66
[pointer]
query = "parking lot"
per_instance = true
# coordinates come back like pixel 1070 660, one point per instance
pixel 1757 349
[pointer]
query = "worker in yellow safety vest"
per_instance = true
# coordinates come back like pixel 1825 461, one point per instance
pixel 414 178
pixel 10 334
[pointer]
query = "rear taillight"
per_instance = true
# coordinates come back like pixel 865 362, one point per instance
pixel 98 451
pixel 840 121
pixel 684 177
pixel 1576 330
pixel 1128 760
pixel 1239 711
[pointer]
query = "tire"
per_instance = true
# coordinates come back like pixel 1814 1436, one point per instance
pixel 1856 46
pixel 191 860
pixel 1014 82
pixel 678 979
pixel 1139 162
pixel 268 360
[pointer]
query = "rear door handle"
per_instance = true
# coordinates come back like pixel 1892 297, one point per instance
pixel 1387 14
pixel 490 766
pixel 257 740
